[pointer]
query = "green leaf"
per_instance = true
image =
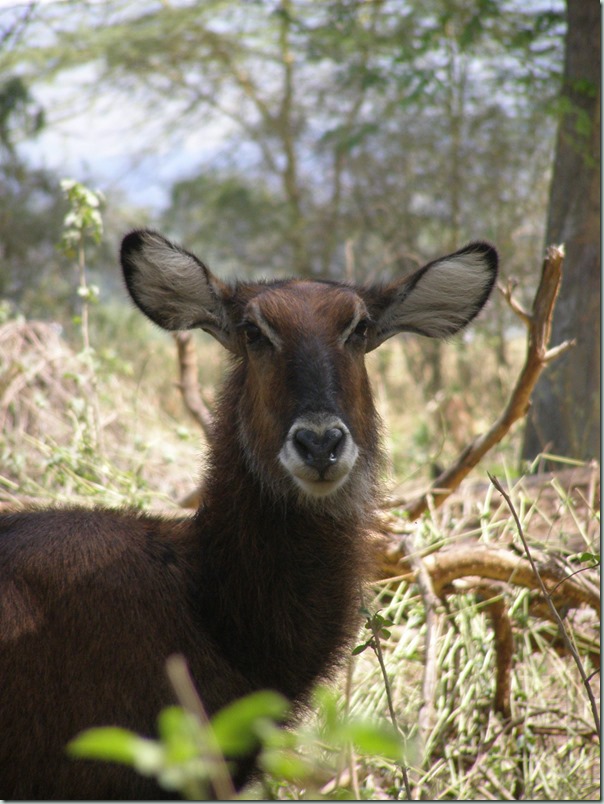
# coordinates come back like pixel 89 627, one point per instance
pixel 378 740
pixel 285 765
pixel 235 726
pixel 326 701
pixel 180 733
pixel 114 744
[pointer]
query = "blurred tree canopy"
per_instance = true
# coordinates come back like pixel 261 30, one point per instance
pixel 385 131
pixel 30 205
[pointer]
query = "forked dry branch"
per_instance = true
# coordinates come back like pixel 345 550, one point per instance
pixel 489 573
pixel 539 323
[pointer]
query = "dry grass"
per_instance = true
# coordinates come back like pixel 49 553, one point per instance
pixel 87 429
pixel 548 748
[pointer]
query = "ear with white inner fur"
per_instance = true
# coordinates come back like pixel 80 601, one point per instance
pixel 439 299
pixel 173 288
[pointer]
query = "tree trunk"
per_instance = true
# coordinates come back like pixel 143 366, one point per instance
pixel 565 415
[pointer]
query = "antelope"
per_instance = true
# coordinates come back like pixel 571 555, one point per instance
pixel 260 587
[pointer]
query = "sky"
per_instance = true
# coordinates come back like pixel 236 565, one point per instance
pixel 101 148
pixel 114 146
pixel 112 143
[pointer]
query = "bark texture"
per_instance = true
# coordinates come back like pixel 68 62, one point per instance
pixel 565 415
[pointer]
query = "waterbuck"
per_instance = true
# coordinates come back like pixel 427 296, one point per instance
pixel 260 587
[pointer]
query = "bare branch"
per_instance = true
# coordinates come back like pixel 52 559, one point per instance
pixel 17 29
pixel 189 385
pixel 556 351
pixel 484 561
pixel 507 291
pixel 492 594
pixel 519 402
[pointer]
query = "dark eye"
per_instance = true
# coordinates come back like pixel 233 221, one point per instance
pixel 253 334
pixel 360 331
pixel 361 328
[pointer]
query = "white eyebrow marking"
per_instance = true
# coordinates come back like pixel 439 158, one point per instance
pixel 360 312
pixel 261 322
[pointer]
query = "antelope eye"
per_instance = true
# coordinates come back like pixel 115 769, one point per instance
pixel 361 328
pixel 359 333
pixel 253 334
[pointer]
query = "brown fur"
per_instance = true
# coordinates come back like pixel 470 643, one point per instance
pixel 259 589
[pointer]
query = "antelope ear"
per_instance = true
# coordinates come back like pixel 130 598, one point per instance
pixel 173 288
pixel 437 300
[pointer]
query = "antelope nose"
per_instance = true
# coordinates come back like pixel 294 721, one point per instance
pixel 319 450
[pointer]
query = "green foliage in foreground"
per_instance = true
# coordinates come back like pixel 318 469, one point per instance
pixel 189 755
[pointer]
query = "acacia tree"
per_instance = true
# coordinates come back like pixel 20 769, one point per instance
pixel 565 415
pixel 345 110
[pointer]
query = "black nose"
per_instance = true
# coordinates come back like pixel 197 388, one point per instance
pixel 319 450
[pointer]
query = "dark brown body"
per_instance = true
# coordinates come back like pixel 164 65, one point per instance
pixel 259 589
pixel 134 599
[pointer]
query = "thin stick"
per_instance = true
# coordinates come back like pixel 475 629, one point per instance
pixel 377 647
pixel 562 628
pixel 178 673
pixel 431 602
pixel 189 382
